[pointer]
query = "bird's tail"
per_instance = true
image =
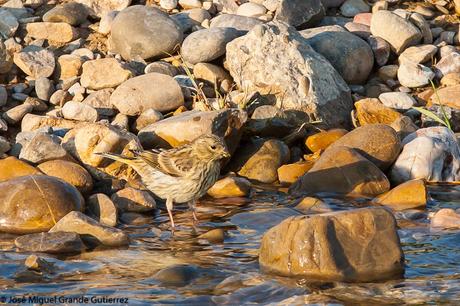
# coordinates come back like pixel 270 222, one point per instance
pixel 121 158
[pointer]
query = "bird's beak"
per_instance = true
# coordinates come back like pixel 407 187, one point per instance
pixel 225 154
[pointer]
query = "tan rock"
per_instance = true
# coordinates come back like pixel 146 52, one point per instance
pixel 103 73
pixel 35 61
pixel 102 207
pixel 404 126
pixel 70 172
pixel 359 245
pixel 408 195
pixel 14 115
pixel 342 170
pixel 449 96
pixel 445 218
pixel 34 203
pixel 451 79
pixel 289 173
pixel 11 167
pixel 310 205
pixel 371 110
pixel 322 140
pixel 216 235
pixel 55 31
pixel 379 143
pixel 133 200
pixel 68 66
pixel 212 74
pixel 230 186
pixel 32 122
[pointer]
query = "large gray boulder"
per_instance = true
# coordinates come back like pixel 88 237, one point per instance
pixel 277 61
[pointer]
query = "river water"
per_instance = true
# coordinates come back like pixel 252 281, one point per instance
pixel 228 273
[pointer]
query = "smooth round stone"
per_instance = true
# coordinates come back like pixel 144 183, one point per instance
pixel 133 200
pixel 34 203
pixel 70 172
pixel 350 8
pixel 153 90
pixel 179 275
pixel 168 4
pixel 59 32
pixel 43 88
pixel 11 168
pixel 53 243
pixel 214 236
pixel 72 13
pixel 189 18
pixel 397 100
pixel 105 25
pixel 237 22
pixel 302 14
pixel 100 101
pixel 145 32
pixel 418 54
pixel 207 44
pixel 162 67
pixel 190 4
pixel 79 111
pixel 147 117
pixel 414 75
pixel 251 9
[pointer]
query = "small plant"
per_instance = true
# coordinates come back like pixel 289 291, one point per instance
pixel 445 120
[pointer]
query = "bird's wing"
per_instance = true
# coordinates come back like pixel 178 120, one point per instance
pixel 170 162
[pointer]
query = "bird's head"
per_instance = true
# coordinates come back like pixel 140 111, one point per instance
pixel 210 147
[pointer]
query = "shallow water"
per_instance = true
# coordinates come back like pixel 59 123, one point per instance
pixel 228 273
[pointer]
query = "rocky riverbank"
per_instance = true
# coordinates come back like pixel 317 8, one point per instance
pixel 313 98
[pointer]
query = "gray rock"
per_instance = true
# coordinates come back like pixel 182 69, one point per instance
pixel 44 88
pixel 300 13
pixel 103 208
pixel 43 147
pixel 79 223
pixel 350 8
pixel 277 61
pixel 5 145
pixel 251 9
pixel 237 22
pixel 349 55
pixel 100 100
pixel 381 49
pixel 414 75
pixel 189 18
pixel 145 32
pixel 418 54
pixel 423 26
pixel 35 61
pixel 8 24
pixel 105 25
pixel 79 111
pixel 397 100
pixel 153 90
pixel 101 7
pixel 162 67
pixel 207 44
pixel 53 243
pixel 399 32
pixel 361 30
pixel 73 13
pixel 448 64
pixel 3 96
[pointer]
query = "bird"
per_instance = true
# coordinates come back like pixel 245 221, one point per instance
pixel 179 175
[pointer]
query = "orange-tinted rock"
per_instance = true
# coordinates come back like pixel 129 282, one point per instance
pixel 11 167
pixel 312 205
pixel 446 218
pixel 371 110
pixel 133 200
pixel 411 194
pixel 342 170
pixel 449 96
pixel 230 187
pixel 291 172
pixel 322 140
pixel 358 245
pixel 70 172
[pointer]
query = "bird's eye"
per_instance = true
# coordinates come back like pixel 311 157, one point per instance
pixel 213 147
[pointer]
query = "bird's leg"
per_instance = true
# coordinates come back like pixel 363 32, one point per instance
pixel 191 205
pixel 169 207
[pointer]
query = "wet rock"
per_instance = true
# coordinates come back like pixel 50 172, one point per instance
pixel 179 275
pixel 445 218
pixel 145 32
pixel 59 32
pixel 251 9
pixel 135 218
pixel 100 101
pixel 397 100
pixel 237 22
pixel 72 13
pixel 32 122
pixel 103 208
pixel 103 73
pixel 149 116
pixel 183 128
pixel 300 13
pixel 289 173
pixel 276 61
pixel 133 200
pixel 260 160
pixel 310 205
pixel 70 172
pixel 230 186
pixel 430 153
pixel 15 114
pixel 350 8
pixel 371 111
pixel 79 223
pixel 214 236
pixel 154 90
pixel 43 147
pixel 414 75
pixel 54 243
pixel 207 44
pixel 11 167
pixel 101 7
pixel 34 203
pixel 349 55
pixel 44 88
pixel 35 61
pixel 318 246
pixel 342 170
pixel 408 195
pixel 8 24
pixel 379 143
pixel 33 262
pixel 322 140
pixel 418 54
pixel 399 32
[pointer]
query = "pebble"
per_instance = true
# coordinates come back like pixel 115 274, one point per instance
pixel 350 8
pixel 103 208
pixel 251 9
pixel 100 101
pixel 236 22
pixel 69 66
pixel 168 4
pixel 35 61
pixel 230 186
pixel 103 73
pixel 44 88
pixel 397 100
pixel 178 275
pixel 73 13
pixel 418 54
pixel 214 236
pixel 79 111
pixel 147 117
pixel 43 147
pixel 59 32
pixel 15 114
pixel 133 200
pixel 414 75
pixel 101 7
pixel 105 25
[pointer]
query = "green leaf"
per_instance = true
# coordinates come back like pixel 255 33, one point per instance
pixel 431 115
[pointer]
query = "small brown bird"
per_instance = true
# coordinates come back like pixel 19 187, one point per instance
pixel 182 174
